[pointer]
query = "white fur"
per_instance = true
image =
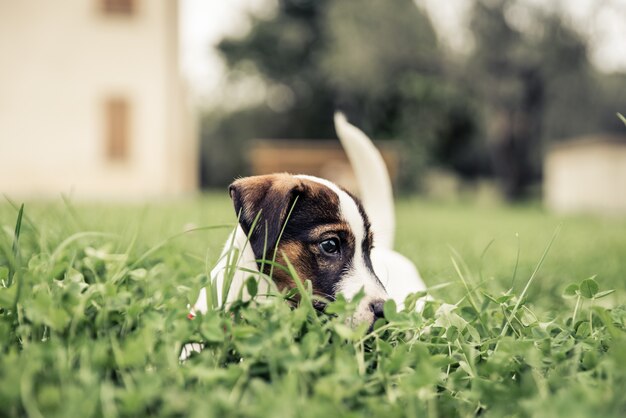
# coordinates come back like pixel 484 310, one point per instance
pixel 396 272
pixel 236 246
pixel 373 180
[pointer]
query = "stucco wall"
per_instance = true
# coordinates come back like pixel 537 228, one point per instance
pixel 60 60
pixel 589 177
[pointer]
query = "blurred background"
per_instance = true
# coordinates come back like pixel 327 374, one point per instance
pixel 511 99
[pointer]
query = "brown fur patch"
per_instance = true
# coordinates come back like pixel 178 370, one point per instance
pixel 292 251
pixel 265 200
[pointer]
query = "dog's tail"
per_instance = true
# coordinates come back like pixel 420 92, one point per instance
pixel 373 180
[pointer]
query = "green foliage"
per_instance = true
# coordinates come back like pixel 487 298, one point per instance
pixel 358 59
pixel 492 111
pixel 380 62
pixel 101 318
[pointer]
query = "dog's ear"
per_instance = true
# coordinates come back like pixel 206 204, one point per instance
pixel 270 198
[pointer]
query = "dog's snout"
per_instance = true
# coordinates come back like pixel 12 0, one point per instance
pixel 377 308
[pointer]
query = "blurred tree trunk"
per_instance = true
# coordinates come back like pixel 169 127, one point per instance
pixel 535 82
pixel 512 87
pixel 515 132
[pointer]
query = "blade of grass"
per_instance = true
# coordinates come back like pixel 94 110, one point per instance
pixel 15 277
pixel 73 213
pixel 16 246
pixel 516 261
pixel 293 205
pixel 467 288
pixel 482 259
pixel 233 262
pixel 76 237
pixel 27 218
pixel 531 279
pixel 173 237
pixel 304 290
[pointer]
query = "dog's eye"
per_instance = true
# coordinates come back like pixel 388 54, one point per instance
pixel 330 246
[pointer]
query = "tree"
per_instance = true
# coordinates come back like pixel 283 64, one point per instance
pixel 512 88
pixel 385 64
pixel 536 85
pixel 524 85
pixel 378 61
pixel 282 51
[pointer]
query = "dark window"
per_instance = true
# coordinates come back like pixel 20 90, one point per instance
pixel 118 7
pixel 117 128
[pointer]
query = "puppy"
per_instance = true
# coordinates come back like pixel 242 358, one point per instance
pixel 340 244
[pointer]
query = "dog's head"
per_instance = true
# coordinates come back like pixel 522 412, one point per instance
pixel 325 235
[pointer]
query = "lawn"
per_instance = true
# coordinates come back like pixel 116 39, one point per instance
pixel 93 303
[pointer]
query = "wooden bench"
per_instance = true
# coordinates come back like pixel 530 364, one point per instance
pixel 321 158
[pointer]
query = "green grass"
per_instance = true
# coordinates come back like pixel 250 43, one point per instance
pixel 93 304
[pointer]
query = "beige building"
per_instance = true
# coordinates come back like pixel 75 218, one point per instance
pixel 587 175
pixel 91 100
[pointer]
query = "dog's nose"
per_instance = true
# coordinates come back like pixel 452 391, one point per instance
pixel 377 308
